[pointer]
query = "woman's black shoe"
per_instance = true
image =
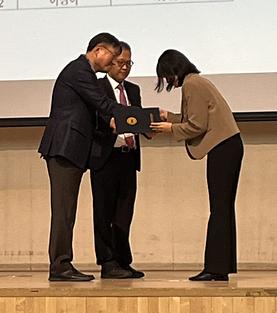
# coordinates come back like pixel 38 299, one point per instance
pixel 204 276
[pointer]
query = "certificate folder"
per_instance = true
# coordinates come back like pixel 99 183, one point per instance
pixel 134 119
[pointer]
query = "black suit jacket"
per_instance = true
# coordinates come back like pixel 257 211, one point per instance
pixel 105 139
pixel 70 130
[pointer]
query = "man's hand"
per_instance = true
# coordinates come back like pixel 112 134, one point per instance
pixel 163 115
pixel 112 124
pixel 161 127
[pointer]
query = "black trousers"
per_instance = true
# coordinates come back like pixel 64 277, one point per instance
pixel 114 191
pixel 223 169
pixel 65 179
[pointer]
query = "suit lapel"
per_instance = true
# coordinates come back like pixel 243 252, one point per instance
pixel 108 88
pixel 129 90
pixel 130 94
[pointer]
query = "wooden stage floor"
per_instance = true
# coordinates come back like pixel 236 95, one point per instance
pixel 159 291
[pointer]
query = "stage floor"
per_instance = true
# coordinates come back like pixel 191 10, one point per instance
pixel 154 284
pixel 158 292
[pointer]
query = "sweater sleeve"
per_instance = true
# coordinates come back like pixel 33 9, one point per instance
pixel 174 118
pixel 196 98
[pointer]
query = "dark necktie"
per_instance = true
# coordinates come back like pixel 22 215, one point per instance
pixel 122 99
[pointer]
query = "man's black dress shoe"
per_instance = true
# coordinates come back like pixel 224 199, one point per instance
pixel 71 274
pixel 136 274
pixel 82 274
pixel 204 276
pixel 113 270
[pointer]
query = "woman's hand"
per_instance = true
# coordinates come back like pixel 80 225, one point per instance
pixel 161 127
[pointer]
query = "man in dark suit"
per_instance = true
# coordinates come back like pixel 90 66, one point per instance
pixel 68 141
pixel 113 177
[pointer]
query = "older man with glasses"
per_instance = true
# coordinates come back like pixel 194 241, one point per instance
pixel 67 141
pixel 113 177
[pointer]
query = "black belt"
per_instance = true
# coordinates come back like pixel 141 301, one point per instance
pixel 123 149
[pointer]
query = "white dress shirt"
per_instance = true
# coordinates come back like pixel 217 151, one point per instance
pixel 120 140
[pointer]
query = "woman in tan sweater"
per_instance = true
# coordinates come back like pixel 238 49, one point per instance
pixel 207 126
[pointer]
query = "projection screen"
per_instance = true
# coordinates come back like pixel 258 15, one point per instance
pixel 232 42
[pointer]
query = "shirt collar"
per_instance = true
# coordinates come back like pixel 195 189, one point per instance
pixel 113 82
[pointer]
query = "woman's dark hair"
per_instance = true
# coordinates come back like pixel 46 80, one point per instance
pixel 103 38
pixel 170 64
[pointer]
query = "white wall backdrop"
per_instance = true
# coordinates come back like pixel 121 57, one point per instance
pixel 237 36
pixel 234 42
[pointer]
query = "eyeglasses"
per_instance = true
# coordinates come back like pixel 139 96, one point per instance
pixel 121 63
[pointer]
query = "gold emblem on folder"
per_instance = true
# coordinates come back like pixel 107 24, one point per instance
pixel 132 120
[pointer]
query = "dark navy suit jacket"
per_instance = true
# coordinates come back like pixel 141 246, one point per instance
pixel 71 127
pixel 105 139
